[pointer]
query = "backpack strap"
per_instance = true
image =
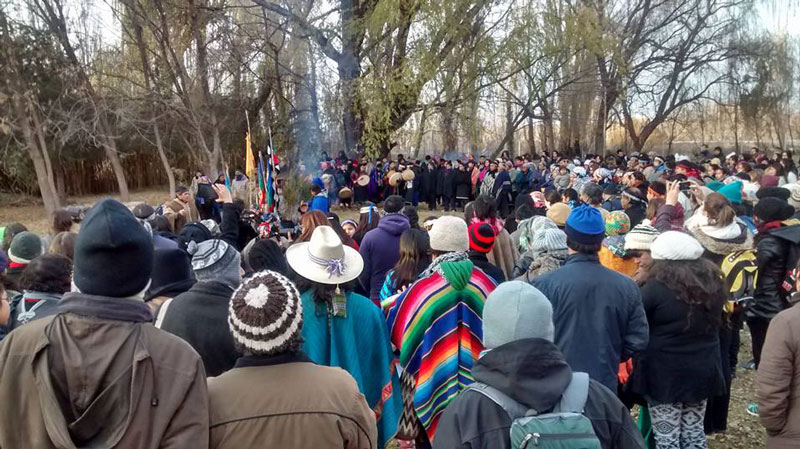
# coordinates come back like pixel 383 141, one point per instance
pixel 574 397
pixel 513 408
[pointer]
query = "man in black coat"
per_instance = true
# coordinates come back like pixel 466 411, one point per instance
pixel 448 186
pixel 200 315
pixel 598 313
pixel 523 363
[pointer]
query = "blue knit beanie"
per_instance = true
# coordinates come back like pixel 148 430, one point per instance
pixel 585 225
pixel 733 192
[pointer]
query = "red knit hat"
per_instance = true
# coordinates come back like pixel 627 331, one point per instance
pixel 481 237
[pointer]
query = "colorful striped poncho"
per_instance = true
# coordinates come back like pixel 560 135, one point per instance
pixel 437 326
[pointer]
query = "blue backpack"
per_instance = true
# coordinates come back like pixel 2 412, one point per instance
pixel 564 427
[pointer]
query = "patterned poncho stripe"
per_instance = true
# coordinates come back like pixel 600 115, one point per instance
pixel 439 332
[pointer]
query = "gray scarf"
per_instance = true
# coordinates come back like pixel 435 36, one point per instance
pixel 435 266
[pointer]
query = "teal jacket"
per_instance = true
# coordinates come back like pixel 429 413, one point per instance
pixel 357 342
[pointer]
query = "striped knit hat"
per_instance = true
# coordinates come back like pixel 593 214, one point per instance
pixel 266 314
pixel 640 238
pixel 481 237
pixel 617 223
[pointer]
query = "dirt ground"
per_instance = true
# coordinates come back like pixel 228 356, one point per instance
pixel 744 431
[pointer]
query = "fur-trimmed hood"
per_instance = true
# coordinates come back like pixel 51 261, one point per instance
pixel 744 241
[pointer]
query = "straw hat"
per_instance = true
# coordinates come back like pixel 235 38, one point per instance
pixel 395 179
pixel 324 259
pixel 345 193
pixel 408 175
pixel 389 174
pixel 362 180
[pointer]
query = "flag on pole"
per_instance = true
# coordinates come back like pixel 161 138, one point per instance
pixel 270 181
pixel 262 193
pixel 249 160
pixel 227 179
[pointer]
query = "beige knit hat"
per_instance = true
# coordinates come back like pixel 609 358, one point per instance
pixel 449 234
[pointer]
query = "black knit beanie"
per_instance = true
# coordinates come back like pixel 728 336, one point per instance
pixel 113 252
pixel 193 232
pixel 172 273
pixel 267 255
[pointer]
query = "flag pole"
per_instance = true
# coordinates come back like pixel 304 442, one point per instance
pixel 249 184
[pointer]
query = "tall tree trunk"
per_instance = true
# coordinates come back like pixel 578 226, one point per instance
pixel 420 131
pixel 531 136
pixel 148 83
pixel 164 161
pixel 510 125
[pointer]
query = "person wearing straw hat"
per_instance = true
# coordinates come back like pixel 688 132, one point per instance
pixel 275 396
pixel 342 328
pixel 436 323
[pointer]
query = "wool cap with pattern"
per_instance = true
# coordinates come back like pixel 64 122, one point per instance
pixel 265 314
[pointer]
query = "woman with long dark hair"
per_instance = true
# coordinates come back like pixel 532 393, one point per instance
pixel 342 328
pixel 367 221
pixel 414 259
pixel 683 295
pixel 717 229
pixel 333 221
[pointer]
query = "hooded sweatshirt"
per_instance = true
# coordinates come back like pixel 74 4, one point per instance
pixel 380 250
pixel 437 325
pixel 534 373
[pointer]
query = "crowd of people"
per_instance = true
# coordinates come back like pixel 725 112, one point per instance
pixel 552 298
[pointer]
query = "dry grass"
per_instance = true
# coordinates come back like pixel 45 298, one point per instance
pixel 744 431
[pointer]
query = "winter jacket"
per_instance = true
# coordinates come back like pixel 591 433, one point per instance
pixel 463 184
pixel 717 248
pixel 669 218
pixel 534 373
pixel 320 202
pixel 598 316
pixel 636 213
pixel 173 209
pixel 772 252
pixel 380 250
pixel 621 265
pixel 682 360
pixel 481 261
pixel 449 182
pixel 200 316
pixel 778 381
pixel 288 401
pixel 437 327
pixel 33 306
pixel 532 265
pixel 502 184
pixel 98 374
pixel 356 341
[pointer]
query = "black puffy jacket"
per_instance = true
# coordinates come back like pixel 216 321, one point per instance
pixel 772 252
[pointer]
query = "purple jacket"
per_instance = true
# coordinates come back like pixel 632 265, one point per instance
pixel 380 250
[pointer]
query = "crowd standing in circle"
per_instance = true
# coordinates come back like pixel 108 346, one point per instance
pixel 553 297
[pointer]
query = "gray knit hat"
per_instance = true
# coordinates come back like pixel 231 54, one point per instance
pixel 215 260
pixel 449 234
pixel 265 314
pixel 549 240
pixel 514 311
pixel 25 247
pixel 640 238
